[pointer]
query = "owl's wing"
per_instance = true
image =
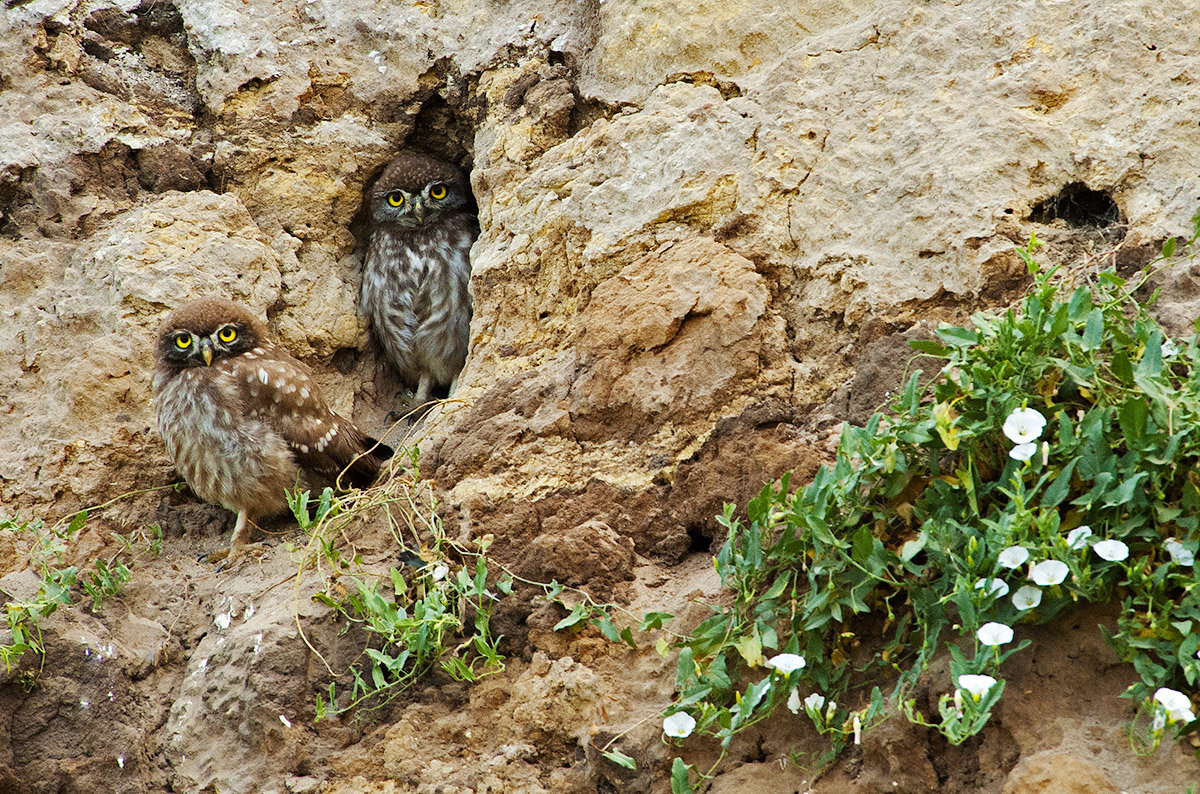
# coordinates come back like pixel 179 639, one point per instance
pixel 279 390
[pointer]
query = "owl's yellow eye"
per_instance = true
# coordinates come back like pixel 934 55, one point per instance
pixel 438 192
pixel 227 334
pixel 183 341
pixel 395 199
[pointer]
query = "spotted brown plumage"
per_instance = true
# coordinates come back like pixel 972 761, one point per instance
pixel 416 275
pixel 243 420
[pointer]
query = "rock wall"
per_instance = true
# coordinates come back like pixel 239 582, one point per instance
pixel 706 233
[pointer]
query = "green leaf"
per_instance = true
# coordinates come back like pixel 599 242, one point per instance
pixel 781 583
pixel 946 420
pixel 864 544
pixel 77 523
pixel 1132 416
pixel 1168 249
pixel 1121 366
pixel 578 613
pixel 655 620
pixel 1093 330
pixel 750 648
pixel 1061 487
pixel 1124 493
pixel 619 758
pixel 958 337
pixel 930 347
pixel 679 777
pixel 1151 363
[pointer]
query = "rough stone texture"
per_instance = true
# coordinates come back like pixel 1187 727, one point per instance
pixel 1057 773
pixel 708 230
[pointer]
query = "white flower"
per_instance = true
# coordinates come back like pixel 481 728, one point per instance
pixel 976 685
pixel 1049 572
pixel 793 701
pixel 996 587
pixel 1177 705
pixel 1027 597
pixel 994 634
pixel 1077 537
pixel 1022 452
pixel 679 725
pixel 1013 556
pixel 813 704
pixel 439 572
pixel 1111 550
pixel 1169 348
pixel 1024 425
pixel 1180 554
pixel 785 662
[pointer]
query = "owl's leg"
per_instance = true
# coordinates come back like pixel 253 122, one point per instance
pixel 424 389
pixel 237 543
pixel 241 537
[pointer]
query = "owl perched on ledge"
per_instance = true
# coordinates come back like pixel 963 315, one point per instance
pixel 415 278
pixel 243 420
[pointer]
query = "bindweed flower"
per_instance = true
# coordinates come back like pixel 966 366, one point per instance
pixel 996 587
pixel 1027 597
pixel 1177 705
pixel 793 701
pixel 1024 425
pixel 1111 550
pixel 815 702
pixel 976 685
pixel 439 572
pixel 1180 554
pixel 1049 572
pixel 785 662
pixel 993 633
pixel 1077 537
pixel 1013 556
pixel 679 725
pixel 1023 452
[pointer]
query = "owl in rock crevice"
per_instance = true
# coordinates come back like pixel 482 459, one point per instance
pixel 415 288
pixel 243 421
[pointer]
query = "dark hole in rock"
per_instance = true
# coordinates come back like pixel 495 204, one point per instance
pixel 1079 206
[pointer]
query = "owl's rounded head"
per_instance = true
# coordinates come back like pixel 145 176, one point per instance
pixel 415 189
pixel 207 330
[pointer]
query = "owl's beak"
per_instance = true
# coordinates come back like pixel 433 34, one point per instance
pixel 206 351
pixel 418 208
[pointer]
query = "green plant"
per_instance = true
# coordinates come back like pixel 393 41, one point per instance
pixel 1052 461
pixel 431 611
pixel 46 556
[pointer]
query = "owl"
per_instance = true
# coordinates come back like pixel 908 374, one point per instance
pixel 415 279
pixel 243 420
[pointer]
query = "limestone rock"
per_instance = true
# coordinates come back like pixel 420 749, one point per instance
pixel 590 555
pixel 1053 772
pixel 706 232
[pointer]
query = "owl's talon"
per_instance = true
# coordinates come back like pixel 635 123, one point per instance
pixel 213 557
pixel 234 555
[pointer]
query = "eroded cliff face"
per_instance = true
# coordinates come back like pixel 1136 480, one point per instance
pixel 706 234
